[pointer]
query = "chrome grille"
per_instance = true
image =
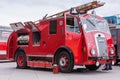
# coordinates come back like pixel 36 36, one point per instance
pixel 101 46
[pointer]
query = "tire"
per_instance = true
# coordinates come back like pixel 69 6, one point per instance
pixel 65 62
pixel 92 67
pixel 21 60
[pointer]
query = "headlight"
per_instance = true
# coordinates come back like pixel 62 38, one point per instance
pixel 111 51
pixel 93 51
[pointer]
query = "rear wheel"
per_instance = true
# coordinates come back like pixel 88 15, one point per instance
pixel 21 60
pixel 92 67
pixel 65 62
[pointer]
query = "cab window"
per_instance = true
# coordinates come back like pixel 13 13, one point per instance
pixel 53 27
pixel 72 24
pixel 36 38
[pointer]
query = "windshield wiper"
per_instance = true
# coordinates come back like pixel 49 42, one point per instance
pixel 90 22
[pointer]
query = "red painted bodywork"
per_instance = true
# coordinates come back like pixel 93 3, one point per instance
pixel 79 44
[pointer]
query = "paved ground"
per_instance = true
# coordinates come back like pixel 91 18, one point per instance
pixel 8 71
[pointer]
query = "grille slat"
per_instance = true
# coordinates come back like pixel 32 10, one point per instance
pixel 102 47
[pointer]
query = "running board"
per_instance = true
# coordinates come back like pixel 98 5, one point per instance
pixel 41 64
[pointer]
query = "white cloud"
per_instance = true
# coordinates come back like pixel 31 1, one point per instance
pixel 27 10
pixel 110 8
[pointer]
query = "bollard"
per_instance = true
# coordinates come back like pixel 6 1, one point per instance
pixel 55 69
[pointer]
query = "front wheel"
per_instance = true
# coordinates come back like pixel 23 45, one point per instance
pixel 21 60
pixel 92 67
pixel 65 62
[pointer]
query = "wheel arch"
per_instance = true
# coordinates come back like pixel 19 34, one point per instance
pixel 18 49
pixel 63 48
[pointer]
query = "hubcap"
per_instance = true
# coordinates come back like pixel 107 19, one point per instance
pixel 62 62
pixel 20 60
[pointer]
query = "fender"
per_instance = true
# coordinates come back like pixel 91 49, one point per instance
pixel 18 49
pixel 61 49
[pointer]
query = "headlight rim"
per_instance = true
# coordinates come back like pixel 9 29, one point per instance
pixel 112 51
pixel 93 51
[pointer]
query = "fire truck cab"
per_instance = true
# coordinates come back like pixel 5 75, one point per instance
pixel 67 40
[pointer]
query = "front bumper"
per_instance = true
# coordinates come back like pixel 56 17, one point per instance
pixel 102 58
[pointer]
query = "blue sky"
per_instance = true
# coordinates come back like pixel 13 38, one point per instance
pixel 32 10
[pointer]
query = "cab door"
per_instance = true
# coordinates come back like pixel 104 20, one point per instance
pixel 55 37
pixel 74 37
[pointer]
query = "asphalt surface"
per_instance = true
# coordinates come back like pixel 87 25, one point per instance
pixel 8 71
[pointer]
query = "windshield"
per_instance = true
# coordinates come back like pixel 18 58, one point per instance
pixel 95 25
pixel 4 35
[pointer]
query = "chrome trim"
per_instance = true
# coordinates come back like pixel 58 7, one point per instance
pixel 42 55
pixel 97 35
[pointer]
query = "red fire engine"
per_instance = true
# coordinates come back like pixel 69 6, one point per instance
pixel 4 34
pixel 68 38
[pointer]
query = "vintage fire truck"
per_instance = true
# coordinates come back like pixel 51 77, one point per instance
pixel 4 34
pixel 68 38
